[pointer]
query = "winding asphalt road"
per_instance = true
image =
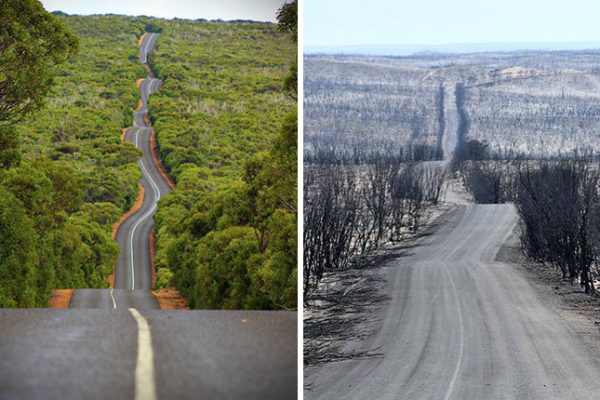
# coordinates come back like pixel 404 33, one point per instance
pixel 133 271
pixel 115 344
pixel 460 325
pixel 134 267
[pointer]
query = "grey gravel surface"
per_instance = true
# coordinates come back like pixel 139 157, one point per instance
pixel 460 325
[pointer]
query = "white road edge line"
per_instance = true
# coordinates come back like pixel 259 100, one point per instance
pixel 145 386
pixel 145 44
pixel 113 299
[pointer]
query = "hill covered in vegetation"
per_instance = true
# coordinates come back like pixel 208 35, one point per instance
pixel 226 130
pixel 527 103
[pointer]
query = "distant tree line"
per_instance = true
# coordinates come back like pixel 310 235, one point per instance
pixel 363 151
pixel 491 177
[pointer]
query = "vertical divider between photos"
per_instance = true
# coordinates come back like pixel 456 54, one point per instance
pixel 300 174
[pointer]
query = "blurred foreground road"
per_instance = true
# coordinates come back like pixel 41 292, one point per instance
pixel 92 354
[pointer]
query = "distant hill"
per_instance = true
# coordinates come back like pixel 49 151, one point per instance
pixel 532 103
pixel 410 49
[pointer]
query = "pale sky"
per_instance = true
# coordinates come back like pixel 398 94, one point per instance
pixel 257 10
pixel 356 22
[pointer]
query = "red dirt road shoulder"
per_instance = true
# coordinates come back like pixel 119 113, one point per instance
pixel 158 162
pixel 170 299
pixel 60 298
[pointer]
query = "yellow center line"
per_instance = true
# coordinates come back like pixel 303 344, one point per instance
pixel 145 386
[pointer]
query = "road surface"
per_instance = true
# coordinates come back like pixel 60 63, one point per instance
pixel 459 325
pixel 133 271
pixel 450 139
pixel 92 354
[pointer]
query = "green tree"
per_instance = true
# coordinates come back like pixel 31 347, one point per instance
pixel 9 143
pixel 18 254
pixel 32 41
pixel 287 21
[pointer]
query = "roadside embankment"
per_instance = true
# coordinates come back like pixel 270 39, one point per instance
pixel 60 298
pixel 170 299
pixel 579 309
pixel 158 162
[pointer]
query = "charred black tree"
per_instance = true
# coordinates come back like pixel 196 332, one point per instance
pixel 559 208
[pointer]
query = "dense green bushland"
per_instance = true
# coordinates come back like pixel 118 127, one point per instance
pixel 226 129
pixel 64 175
pixel 91 102
pixel 222 97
